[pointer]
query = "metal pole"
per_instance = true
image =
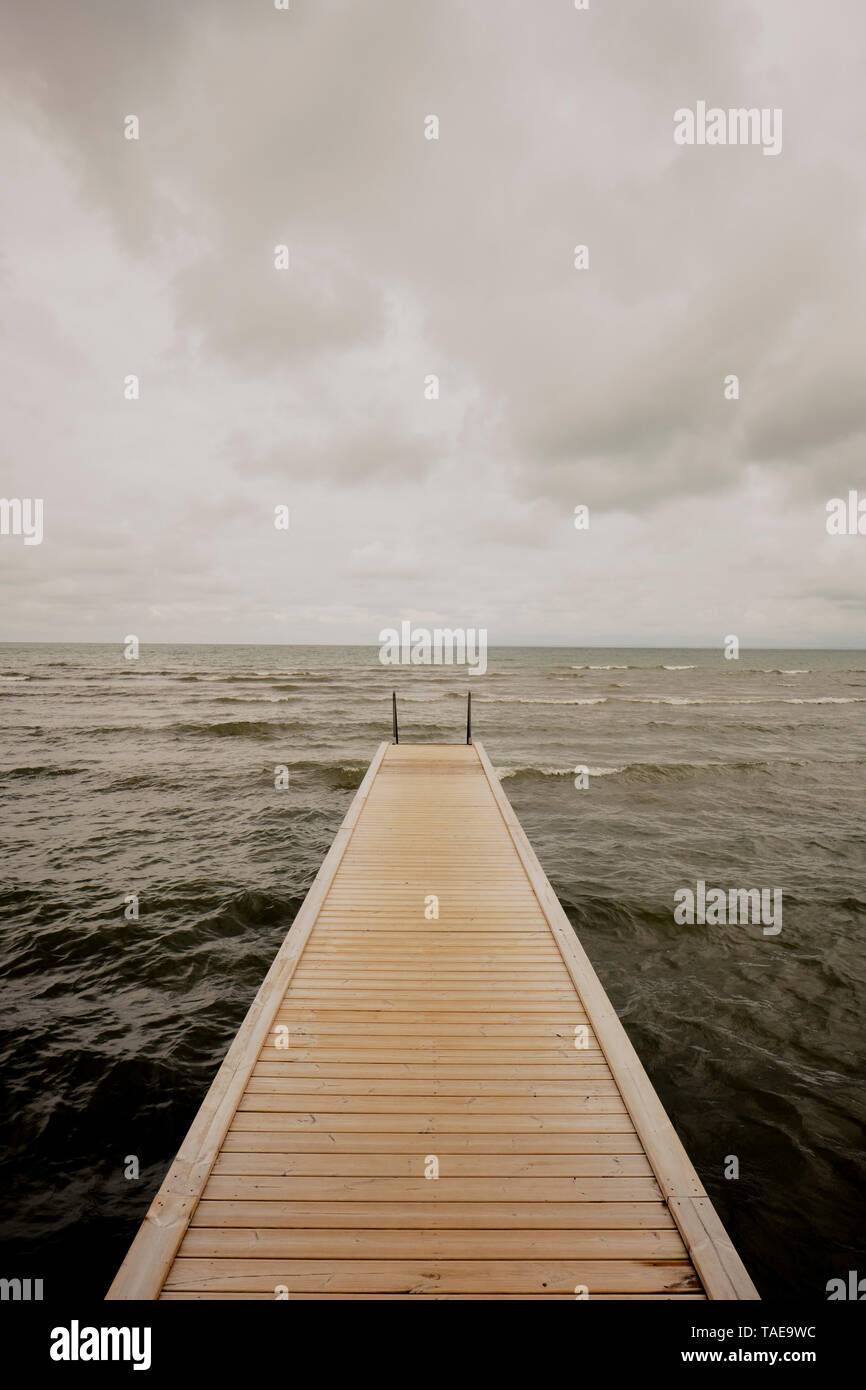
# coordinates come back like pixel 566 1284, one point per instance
pixel 394 711
pixel 469 716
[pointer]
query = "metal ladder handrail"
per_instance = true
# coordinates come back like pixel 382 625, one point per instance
pixel 395 728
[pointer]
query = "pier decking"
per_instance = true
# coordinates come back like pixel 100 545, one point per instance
pixel 387 1044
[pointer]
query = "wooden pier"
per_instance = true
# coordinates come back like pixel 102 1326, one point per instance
pixel 423 1106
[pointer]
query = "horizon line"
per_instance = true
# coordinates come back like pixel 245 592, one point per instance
pixel 366 646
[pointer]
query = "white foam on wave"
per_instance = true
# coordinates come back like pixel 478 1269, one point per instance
pixel 520 700
pixel 504 772
pixel 673 700
pixel 745 700
pixel 823 700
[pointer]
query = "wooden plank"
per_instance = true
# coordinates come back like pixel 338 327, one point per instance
pixel 289 1243
pixel 280 1100
pixel 412 1165
pixel 184 1297
pixel 532 999
pixel 370 1141
pixel 298 1042
pixel 382 1025
pixel 449 1276
pixel 418 1189
pixel 721 1270
pixel 442 1069
pixel 464 1216
pixel 266 1074
pixel 421 1122
pixel 449 1020
pixel 440 1002
pixel 416 980
pixel 516 1052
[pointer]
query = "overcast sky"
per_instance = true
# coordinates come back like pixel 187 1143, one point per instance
pixel 408 257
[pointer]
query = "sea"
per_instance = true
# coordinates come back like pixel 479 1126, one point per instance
pixel 151 781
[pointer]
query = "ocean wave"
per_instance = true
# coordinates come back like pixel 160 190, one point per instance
pixel 824 700
pixel 674 700
pixel 531 771
pixel 239 728
pixel 423 699
pixel 141 781
pixel 309 677
pixel 652 772
pixel 520 700
pixel 210 678
pixel 244 700
pixel 745 670
pixel 340 776
pixel 218 678
pixel 45 770
pixel 742 700
pixel 663 772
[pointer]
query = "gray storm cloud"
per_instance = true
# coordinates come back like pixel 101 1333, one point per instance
pixel 411 257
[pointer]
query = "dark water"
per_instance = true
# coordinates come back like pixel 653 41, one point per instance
pixel 156 778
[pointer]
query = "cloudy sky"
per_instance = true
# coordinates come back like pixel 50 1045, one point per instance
pixel 410 257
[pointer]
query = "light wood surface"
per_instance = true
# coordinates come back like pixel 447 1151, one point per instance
pixel 386 1045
